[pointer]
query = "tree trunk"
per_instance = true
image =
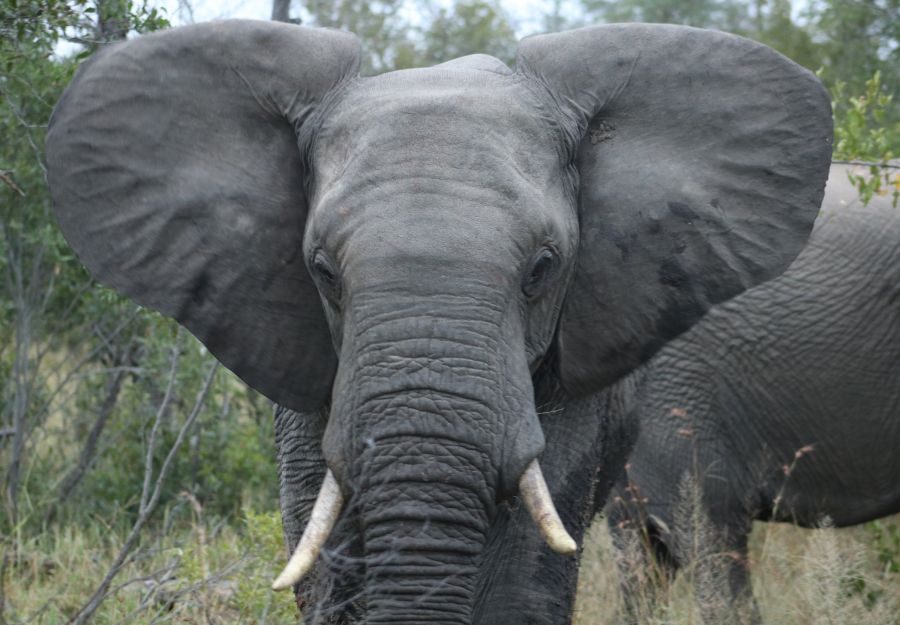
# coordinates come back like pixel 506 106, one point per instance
pixel 89 451
pixel 281 10
pixel 112 20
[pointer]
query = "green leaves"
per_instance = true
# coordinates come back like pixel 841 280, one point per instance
pixel 867 129
pixel 469 27
pixel 391 42
pixel 700 13
pixel 854 46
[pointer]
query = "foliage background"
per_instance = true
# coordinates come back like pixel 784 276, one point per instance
pixel 93 389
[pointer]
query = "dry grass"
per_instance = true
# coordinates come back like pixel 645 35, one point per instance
pixel 800 577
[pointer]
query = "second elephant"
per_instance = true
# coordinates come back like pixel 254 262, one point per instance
pixel 782 405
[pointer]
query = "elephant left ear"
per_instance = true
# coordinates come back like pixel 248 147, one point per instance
pixel 702 159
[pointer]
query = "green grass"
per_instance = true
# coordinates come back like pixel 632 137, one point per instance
pixel 201 572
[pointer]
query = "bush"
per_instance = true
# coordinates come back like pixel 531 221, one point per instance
pixel 862 132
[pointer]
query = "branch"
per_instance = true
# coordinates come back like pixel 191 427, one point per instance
pixel 154 431
pixel 147 505
pixel 884 165
pixel 6 176
pixel 89 451
pixel 73 372
pixel 38 154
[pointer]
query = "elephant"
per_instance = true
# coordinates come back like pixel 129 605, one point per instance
pixel 435 271
pixel 781 405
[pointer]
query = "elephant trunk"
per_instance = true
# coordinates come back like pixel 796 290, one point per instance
pixel 424 524
pixel 433 421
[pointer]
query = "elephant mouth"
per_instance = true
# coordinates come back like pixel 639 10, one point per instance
pixel 532 488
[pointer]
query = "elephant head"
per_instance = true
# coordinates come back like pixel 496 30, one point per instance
pixel 410 249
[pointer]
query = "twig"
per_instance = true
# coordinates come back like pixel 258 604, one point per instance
pixel 883 165
pixel 48 401
pixel 186 11
pixel 203 583
pixel 201 539
pixel 24 123
pixel 148 503
pixel 109 371
pixel 89 451
pixel 4 567
pixel 7 178
pixel 160 413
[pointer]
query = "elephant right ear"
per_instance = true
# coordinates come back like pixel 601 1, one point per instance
pixel 175 171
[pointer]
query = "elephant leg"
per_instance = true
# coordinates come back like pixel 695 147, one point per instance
pixel 330 592
pixel 522 582
pixel 722 585
pixel 301 468
pixel 720 570
pixel 643 559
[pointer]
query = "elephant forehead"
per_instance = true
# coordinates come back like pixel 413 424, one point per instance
pixel 447 161
pixel 479 122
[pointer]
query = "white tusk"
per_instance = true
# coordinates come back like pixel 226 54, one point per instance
pixel 324 515
pixel 536 496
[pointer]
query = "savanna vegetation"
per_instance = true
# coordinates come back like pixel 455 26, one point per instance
pixel 138 477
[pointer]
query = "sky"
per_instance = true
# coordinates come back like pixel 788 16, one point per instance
pixel 526 15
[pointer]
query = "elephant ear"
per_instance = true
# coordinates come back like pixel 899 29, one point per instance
pixel 176 175
pixel 702 159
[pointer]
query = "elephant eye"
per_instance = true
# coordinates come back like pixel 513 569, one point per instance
pixel 326 276
pixel 540 270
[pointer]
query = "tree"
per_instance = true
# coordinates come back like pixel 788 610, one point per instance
pixel 724 14
pixel 859 39
pixel 83 372
pixel 378 23
pixel 773 25
pixel 846 41
pixel 469 27
pixel 554 21
pixel 281 10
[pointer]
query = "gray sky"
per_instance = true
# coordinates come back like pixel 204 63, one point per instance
pixel 526 15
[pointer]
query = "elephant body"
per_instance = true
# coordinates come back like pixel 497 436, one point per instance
pixel 783 404
pixel 437 270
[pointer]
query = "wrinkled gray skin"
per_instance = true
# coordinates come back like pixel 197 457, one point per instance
pixel 783 404
pixel 423 262
pixel 520 580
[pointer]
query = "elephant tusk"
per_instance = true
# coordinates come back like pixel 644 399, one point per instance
pixel 536 496
pixel 324 515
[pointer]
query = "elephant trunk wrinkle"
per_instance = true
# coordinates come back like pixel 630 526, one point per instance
pixel 427 433
pixel 424 513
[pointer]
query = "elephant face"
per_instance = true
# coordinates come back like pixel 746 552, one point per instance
pixel 443 168
pixel 441 235
pixel 410 249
